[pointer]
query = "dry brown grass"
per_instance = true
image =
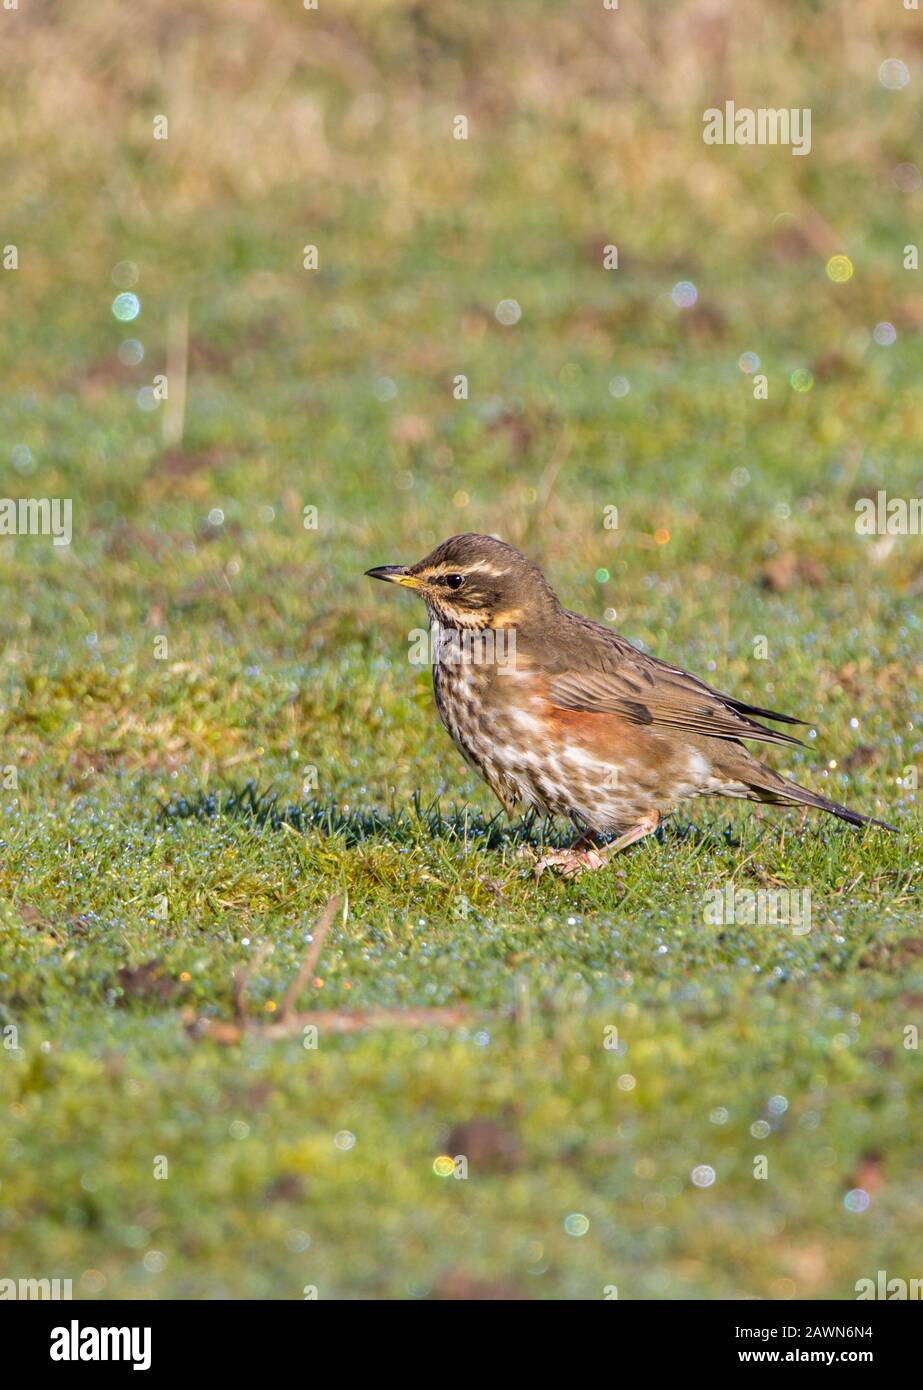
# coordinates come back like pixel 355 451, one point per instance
pixel 267 100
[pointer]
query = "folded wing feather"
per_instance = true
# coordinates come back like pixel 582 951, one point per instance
pixel 645 690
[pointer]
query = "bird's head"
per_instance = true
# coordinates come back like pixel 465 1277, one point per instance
pixel 473 581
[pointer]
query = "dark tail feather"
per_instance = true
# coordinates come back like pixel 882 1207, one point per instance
pixel 756 711
pixel 802 796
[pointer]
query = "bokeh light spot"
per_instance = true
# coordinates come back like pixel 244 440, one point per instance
pixel 839 269
pixel 576 1224
pixel 684 294
pixel 907 178
pixel 126 307
pixel 508 312
pixel 893 74
pixel 125 274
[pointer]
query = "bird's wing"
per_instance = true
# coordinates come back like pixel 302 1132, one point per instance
pixel 645 690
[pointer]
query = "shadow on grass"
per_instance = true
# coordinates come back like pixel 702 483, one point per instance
pixel 401 826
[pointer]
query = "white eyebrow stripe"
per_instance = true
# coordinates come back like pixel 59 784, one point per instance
pixel 482 567
pixel 479 567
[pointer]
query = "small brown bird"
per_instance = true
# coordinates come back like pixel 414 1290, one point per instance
pixel 562 714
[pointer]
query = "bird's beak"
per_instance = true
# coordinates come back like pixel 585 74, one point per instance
pixel 395 574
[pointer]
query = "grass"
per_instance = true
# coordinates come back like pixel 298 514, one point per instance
pixel 137 821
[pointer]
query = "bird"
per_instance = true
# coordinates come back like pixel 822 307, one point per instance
pixel 558 713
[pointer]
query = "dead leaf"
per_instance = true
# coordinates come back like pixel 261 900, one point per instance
pixel 489 1147
pixel 146 981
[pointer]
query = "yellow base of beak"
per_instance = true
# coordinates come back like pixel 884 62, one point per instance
pixel 394 574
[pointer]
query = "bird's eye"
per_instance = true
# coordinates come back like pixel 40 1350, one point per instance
pixel 453 581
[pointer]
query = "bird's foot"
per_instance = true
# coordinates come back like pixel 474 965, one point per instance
pixel 584 856
pixel 569 863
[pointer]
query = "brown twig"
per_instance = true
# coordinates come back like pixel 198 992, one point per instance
pixel 357 1020
pixel 288 1024
pixel 308 965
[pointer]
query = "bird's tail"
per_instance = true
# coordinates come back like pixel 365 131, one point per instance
pixel 764 784
pixel 800 796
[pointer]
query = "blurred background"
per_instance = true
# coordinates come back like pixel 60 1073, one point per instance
pixel 289 127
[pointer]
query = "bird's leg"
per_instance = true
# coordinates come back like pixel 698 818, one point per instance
pixel 646 826
pixel 584 854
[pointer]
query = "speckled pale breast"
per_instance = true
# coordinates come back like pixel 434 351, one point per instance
pixel 597 770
